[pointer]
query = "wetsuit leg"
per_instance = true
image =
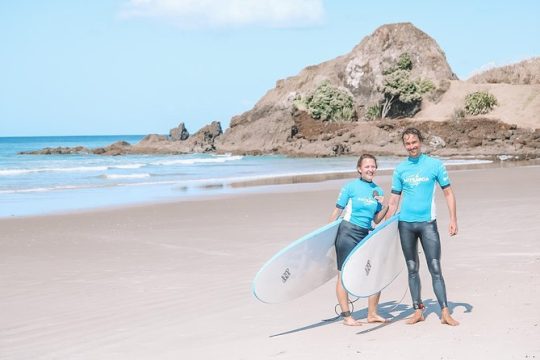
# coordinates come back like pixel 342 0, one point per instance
pixel 409 234
pixel 431 244
pixel 348 236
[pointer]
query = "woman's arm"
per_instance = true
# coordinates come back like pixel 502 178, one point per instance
pixel 381 214
pixel 335 214
pixel 393 205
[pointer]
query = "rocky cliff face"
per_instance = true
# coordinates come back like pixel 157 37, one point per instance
pixel 273 122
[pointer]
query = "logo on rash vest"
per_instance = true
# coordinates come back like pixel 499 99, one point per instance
pixel 415 180
pixel 367 201
pixel 285 276
pixel 367 268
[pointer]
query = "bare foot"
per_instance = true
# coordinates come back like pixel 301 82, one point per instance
pixel 447 319
pixel 350 321
pixel 417 317
pixel 376 318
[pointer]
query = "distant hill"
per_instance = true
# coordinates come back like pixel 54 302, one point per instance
pixel 526 72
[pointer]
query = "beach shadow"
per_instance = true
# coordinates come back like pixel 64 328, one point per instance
pixel 384 309
pixel 308 327
pixel 404 311
pixel 431 307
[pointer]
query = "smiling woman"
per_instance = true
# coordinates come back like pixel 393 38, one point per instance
pixel 365 201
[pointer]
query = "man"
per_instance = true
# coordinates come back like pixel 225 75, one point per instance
pixel 414 179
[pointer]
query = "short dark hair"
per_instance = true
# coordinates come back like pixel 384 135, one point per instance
pixel 412 131
pixel 365 156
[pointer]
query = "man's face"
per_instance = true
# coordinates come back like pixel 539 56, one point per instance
pixel 412 144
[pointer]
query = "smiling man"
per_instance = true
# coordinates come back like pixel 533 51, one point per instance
pixel 415 181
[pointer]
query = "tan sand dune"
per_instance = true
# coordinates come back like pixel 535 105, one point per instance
pixel 518 104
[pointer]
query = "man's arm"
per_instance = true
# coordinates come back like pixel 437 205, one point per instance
pixel 451 202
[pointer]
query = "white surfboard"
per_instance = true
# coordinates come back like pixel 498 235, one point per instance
pixel 301 267
pixel 375 262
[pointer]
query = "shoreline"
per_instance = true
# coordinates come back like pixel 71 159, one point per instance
pixel 271 184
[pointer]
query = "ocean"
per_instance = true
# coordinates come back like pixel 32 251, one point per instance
pixel 44 184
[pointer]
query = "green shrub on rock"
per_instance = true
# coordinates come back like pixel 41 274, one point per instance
pixel 402 94
pixel 329 103
pixel 479 102
pixel 373 112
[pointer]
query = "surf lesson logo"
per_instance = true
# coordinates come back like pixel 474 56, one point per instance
pixel 415 180
pixel 367 268
pixel 285 276
pixel 367 201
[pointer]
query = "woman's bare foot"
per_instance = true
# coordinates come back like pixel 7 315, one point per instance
pixel 376 318
pixel 350 321
pixel 417 317
pixel 447 319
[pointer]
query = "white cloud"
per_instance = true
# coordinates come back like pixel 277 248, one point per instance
pixel 229 13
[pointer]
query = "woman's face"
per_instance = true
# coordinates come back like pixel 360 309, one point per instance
pixel 367 169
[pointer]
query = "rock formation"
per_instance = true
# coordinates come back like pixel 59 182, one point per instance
pixel 179 133
pixel 276 124
pixel 202 141
pixel 272 123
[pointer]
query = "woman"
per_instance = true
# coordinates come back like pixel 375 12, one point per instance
pixel 366 201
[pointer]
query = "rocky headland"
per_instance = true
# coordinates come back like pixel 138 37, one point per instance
pixel 284 121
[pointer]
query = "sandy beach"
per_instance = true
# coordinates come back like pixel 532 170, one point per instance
pixel 173 281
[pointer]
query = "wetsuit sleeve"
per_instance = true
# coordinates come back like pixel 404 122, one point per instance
pixel 442 176
pixel 397 186
pixel 343 197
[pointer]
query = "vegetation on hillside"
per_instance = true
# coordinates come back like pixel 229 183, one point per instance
pixel 328 103
pixel 479 102
pixel 402 95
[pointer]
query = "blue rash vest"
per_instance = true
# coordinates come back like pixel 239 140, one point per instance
pixel 359 193
pixel 414 179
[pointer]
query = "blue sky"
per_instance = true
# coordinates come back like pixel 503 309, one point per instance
pixel 142 66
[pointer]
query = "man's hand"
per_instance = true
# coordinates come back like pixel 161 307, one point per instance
pixel 453 229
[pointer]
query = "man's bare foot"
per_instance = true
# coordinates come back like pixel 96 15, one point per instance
pixel 376 318
pixel 416 317
pixel 447 319
pixel 350 321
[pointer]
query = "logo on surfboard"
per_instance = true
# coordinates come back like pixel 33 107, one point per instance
pixel 285 276
pixel 367 268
